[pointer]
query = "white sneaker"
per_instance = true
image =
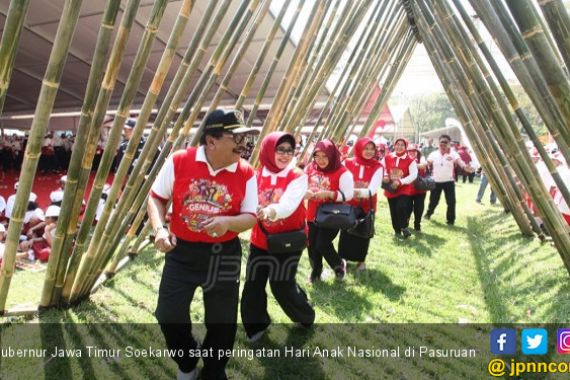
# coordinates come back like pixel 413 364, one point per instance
pixel 192 375
pixel 255 337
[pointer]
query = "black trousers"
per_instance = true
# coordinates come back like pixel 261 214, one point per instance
pixel 215 268
pixel 352 248
pixel 399 211
pixel 417 205
pixel 321 245
pixel 280 270
pixel 448 189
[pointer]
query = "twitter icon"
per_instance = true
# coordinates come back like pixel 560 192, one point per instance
pixel 534 341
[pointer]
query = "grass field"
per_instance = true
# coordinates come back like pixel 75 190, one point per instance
pixel 479 271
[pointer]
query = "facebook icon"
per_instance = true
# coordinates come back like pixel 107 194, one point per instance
pixel 503 342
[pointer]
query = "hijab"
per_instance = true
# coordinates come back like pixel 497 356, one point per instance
pixel 329 148
pixel 268 147
pixel 359 150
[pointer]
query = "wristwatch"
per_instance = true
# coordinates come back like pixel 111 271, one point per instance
pixel 156 230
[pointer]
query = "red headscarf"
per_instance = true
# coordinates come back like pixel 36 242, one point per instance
pixel 329 148
pixel 268 146
pixel 405 147
pixel 359 149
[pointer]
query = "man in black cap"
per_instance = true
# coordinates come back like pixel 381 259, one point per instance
pixel 127 134
pixel 214 197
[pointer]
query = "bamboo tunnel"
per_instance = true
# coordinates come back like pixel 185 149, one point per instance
pixel 206 77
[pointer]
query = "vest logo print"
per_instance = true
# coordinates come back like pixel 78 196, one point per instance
pixel 203 200
pixel 318 182
pixel 267 197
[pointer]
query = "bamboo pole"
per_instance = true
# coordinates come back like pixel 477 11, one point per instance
pixel 327 62
pixel 179 87
pixel 381 101
pixel 222 88
pixel 146 110
pixel 359 90
pixel 267 79
pixel 209 76
pixel 133 81
pixel 77 182
pixel 263 54
pixel 528 20
pixel 294 72
pixel 317 53
pixel 558 21
pixel 46 99
pixel 511 97
pixel 483 143
pixel 67 221
pixel 379 72
pixel 514 49
pixel 364 46
pixel 486 102
pixel 315 19
pixel 488 111
pixel 9 43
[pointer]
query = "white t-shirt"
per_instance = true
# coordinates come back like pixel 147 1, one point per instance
pixel 443 165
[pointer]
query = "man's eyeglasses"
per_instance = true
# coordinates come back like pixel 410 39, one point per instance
pixel 284 151
pixel 238 139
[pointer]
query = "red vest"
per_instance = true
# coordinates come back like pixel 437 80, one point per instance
pixel 321 181
pixel 362 182
pixel 398 167
pixel 197 196
pixel 268 194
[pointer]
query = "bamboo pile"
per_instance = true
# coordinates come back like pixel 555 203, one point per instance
pixel 363 44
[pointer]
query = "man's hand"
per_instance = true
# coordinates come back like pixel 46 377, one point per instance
pixel 324 194
pixel 216 226
pixel 163 241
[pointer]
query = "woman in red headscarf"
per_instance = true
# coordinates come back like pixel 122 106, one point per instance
pixel 401 172
pixel 329 181
pixel 281 188
pixel 418 197
pixel 367 173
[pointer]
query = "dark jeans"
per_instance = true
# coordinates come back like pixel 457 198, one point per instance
pixel 469 176
pixel 215 268
pixel 399 212
pixel 280 270
pixel 449 190
pixel 417 205
pixel 321 245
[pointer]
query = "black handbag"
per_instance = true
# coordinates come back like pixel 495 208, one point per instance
pixel 426 183
pixel 365 222
pixel 388 187
pixel 285 242
pixel 336 215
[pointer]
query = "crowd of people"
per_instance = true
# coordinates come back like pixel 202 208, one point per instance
pixel 290 205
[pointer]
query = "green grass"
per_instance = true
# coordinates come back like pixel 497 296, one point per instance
pixel 482 270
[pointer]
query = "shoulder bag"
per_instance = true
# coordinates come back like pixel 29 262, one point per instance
pixel 285 242
pixel 336 215
pixel 365 222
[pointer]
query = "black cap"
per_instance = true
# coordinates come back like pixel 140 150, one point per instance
pixel 227 121
pixel 130 124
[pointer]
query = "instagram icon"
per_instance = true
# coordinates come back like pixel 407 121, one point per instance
pixel 563 344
